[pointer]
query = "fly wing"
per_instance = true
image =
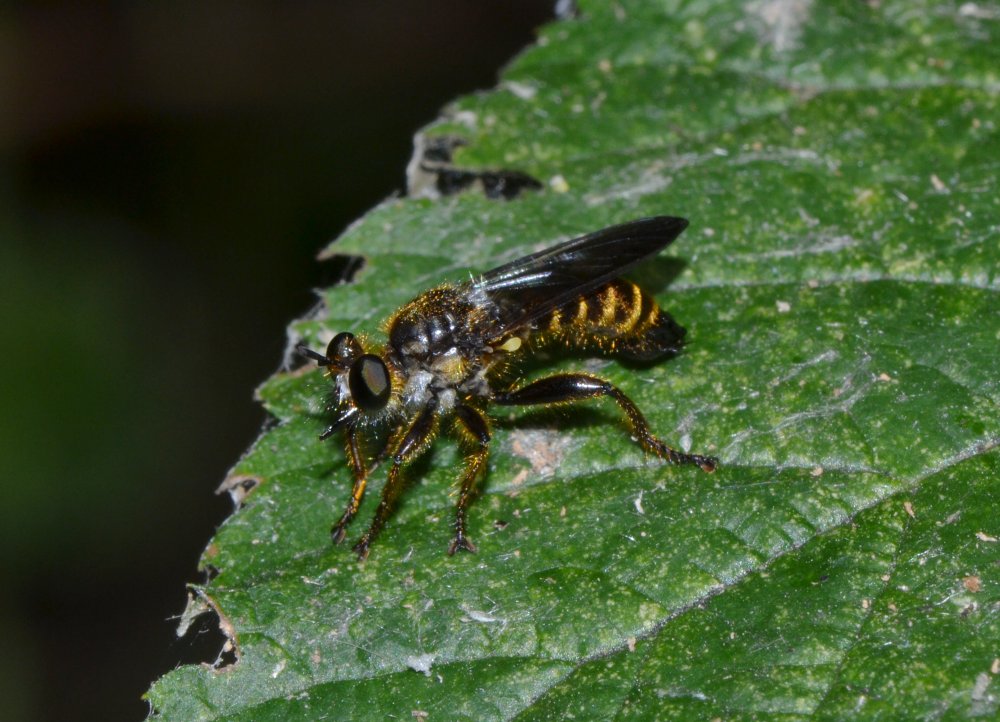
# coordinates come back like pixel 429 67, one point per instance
pixel 530 287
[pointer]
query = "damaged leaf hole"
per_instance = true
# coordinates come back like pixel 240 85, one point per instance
pixel 239 487
pixel 208 634
pixel 431 173
pixel 340 268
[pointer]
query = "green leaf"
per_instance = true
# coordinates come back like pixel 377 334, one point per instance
pixel 839 283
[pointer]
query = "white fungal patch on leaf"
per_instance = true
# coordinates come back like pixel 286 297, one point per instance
pixel 779 22
pixel 544 449
pixel 421 663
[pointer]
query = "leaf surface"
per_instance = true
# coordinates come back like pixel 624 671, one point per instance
pixel 839 285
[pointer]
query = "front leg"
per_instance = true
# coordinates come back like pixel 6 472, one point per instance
pixel 478 429
pixel 413 442
pixel 356 460
pixel 576 387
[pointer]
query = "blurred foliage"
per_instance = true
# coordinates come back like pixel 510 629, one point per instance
pixel 839 284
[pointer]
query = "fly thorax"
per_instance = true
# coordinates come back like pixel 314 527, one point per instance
pixel 448 368
pixel 423 336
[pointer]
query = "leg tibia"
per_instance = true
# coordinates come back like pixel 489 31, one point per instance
pixel 476 426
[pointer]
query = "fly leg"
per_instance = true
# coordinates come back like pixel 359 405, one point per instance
pixel 355 459
pixel 414 440
pixel 576 387
pixel 478 429
pixel 357 463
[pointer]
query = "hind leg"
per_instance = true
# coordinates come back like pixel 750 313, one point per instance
pixel 577 387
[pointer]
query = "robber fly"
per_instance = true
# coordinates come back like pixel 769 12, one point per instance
pixel 451 348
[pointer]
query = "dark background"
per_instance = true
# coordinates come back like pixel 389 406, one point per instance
pixel 167 174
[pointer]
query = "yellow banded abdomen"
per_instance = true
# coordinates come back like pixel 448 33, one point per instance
pixel 618 317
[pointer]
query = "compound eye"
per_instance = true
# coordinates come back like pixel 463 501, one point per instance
pixel 369 382
pixel 343 349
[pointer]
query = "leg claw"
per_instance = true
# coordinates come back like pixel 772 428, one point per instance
pixel 339 531
pixel 361 548
pixel 461 542
pixel 707 463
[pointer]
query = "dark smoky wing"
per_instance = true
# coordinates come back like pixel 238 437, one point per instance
pixel 530 287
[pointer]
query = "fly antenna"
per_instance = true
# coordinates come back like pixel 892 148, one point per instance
pixel 310 354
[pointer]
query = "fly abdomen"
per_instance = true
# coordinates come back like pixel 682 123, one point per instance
pixel 618 317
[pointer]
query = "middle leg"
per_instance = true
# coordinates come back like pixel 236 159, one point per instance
pixel 476 426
